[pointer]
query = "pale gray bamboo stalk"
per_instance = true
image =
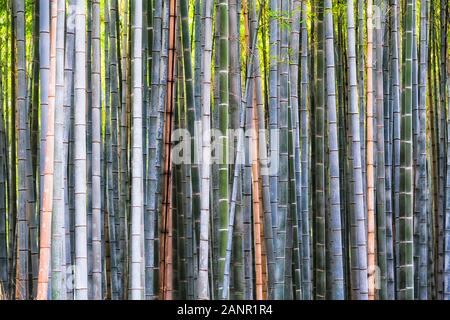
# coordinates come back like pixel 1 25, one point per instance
pixel 151 238
pixel 58 218
pixel 422 200
pixel 380 151
pixel 358 194
pixel 81 272
pixel 44 65
pixel 202 281
pixel 305 158
pixel 96 152
pixel 337 282
pixel 136 286
pixel 68 105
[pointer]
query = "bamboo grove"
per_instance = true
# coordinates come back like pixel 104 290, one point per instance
pixel 224 149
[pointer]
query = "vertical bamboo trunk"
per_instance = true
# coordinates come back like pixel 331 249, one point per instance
pixel 12 151
pixel 20 104
pixel 360 223
pixel 44 60
pixel 295 151
pixel 446 288
pixel 273 114
pixel 380 152
pixel 361 90
pixel 111 213
pixel 388 128
pixel 237 272
pixel 136 287
pixel 32 161
pixel 442 72
pixel 396 132
pixel 68 135
pixel 47 199
pixel 4 286
pixel 96 151
pixel 370 157
pixel 81 270
pixel 335 226
pixel 281 216
pixel 58 214
pixel 203 283
pixel 167 283
pixel 319 156
pixel 305 158
pixel 422 197
pixel 223 109
pixel 115 101
pixel 406 285
pixel 151 237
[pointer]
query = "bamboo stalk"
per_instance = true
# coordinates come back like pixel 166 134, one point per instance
pixel 47 200
pixel 81 281
pixel 370 158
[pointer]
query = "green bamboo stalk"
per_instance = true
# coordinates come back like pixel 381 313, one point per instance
pixel 223 109
pixel 237 271
pixel 22 224
pixel 396 133
pixel 405 223
pixel 319 154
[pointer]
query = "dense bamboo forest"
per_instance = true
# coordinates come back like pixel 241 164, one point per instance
pixel 224 149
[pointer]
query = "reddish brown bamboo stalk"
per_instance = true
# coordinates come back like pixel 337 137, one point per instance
pixel 256 206
pixel 166 285
pixel 370 158
pixel 47 197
